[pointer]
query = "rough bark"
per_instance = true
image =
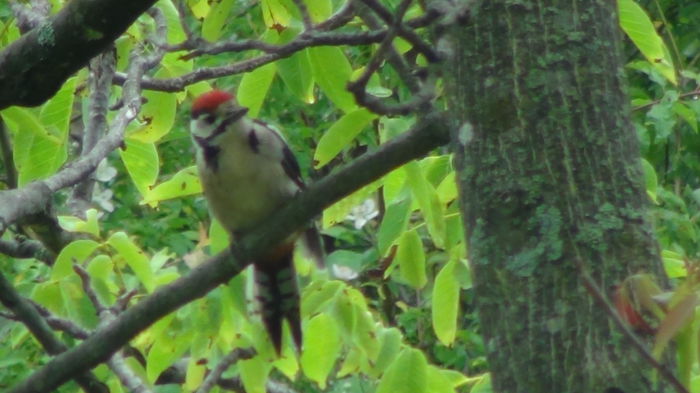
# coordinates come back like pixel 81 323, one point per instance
pixel 35 66
pixel 550 178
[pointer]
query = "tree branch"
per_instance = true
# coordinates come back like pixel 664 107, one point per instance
pixel 36 197
pixel 28 315
pixel 428 134
pixel 35 66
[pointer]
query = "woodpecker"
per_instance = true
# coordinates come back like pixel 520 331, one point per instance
pixel 247 173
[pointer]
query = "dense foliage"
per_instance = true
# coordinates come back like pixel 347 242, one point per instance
pixel 392 310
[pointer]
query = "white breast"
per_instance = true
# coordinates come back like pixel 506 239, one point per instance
pixel 245 186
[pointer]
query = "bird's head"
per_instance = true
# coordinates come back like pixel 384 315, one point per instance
pixel 213 112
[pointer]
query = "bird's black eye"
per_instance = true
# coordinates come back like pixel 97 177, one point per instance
pixel 210 119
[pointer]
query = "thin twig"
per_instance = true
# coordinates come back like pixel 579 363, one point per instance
pixel 408 34
pixel 234 356
pixel 597 294
pixel 304 11
pixel 8 161
pixel 101 73
pixel 25 312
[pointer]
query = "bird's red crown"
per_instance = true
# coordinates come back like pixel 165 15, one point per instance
pixel 209 101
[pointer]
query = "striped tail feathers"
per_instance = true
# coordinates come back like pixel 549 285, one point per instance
pixel 279 298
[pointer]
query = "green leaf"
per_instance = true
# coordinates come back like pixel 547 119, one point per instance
pixel 254 86
pixel 321 348
pixel 254 374
pixel 142 163
pixel 75 224
pixel 411 259
pixel 134 257
pixel 438 382
pixel 650 180
pixel 390 341
pixel 429 202
pixel 640 29
pixel 407 374
pixel 447 190
pixel 297 75
pixel 213 24
pixel 340 135
pixel 157 115
pixel 56 113
pixel 163 353
pixel 445 304
pixel 275 13
pixel 687 114
pixel 319 10
pixel 172 19
pixel 332 71
pixel 674 264
pixel 75 252
pixel 183 183
pixel 393 224
pixel 319 294
pixel 37 153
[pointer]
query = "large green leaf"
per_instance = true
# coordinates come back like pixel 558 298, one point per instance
pixel 254 374
pixel 407 374
pixel 75 252
pixel 275 13
pixel 394 223
pixel 254 86
pixel 319 10
pixel 183 183
pixel 640 29
pixel 429 202
pixel 411 259
pixel 321 348
pixel 213 24
pixel 445 304
pixel 297 75
pixel 340 135
pixel 37 153
pixel 142 163
pixel 134 257
pixel 332 71
pixel 55 114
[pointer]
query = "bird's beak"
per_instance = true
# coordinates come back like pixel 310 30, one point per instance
pixel 235 114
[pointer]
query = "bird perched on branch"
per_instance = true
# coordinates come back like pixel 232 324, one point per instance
pixel 248 172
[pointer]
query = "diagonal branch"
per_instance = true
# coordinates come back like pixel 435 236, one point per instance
pixel 428 134
pixel 29 316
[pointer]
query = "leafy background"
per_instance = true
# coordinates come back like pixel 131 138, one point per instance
pixel 392 312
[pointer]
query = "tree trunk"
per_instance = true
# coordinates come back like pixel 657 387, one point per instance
pixel 551 182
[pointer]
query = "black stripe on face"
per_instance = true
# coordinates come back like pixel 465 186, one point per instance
pixel 210 153
pixel 253 140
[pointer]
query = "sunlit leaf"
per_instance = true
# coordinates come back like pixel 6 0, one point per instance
pixel 640 29
pixel 134 257
pixel 340 135
pixel 142 162
pixel 429 203
pixel 213 24
pixel 411 259
pixel 407 374
pixel 183 183
pixel 74 253
pixel 321 348
pixel 445 304
pixel 254 86
pixel 332 71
